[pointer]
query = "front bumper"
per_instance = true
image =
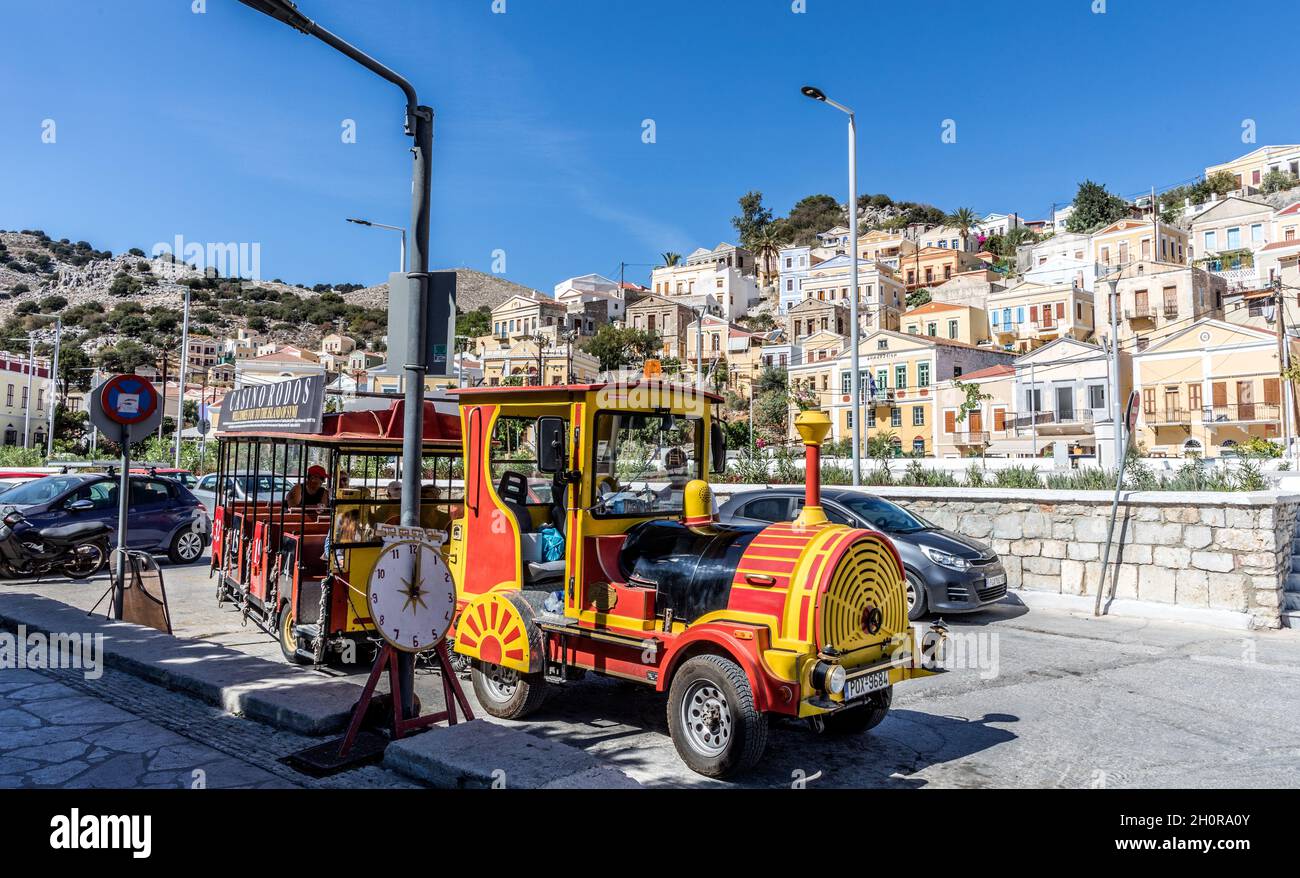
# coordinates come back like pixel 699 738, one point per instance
pixel 964 591
pixel 909 660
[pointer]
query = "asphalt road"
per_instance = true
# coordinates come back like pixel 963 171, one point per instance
pixel 1044 699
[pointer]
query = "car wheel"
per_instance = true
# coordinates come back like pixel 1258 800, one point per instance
pixel 186 547
pixel 714 723
pixel 917 602
pixel 854 720
pixel 504 692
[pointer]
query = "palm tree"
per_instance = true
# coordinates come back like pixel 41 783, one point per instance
pixel 670 258
pixel 963 219
pixel 767 244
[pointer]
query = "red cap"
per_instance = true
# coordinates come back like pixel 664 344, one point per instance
pixel 318 471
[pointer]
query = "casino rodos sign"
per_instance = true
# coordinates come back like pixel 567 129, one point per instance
pixel 293 406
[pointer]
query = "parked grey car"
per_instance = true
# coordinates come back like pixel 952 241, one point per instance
pixel 946 572
pixel 241 486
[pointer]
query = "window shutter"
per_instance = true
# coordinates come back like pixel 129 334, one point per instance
pixel 950 422
pixel 1272 391
pixel 1220 391
pixel 999 419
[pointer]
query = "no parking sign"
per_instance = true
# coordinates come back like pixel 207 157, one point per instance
pixel 126 401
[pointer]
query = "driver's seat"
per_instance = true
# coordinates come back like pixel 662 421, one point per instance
pixel 513 491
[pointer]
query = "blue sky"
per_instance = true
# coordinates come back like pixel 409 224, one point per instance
pixel 225 126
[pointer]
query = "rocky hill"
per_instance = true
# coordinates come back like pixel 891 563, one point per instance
pixel 110 299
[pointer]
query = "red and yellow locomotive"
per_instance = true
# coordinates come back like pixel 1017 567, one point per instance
pixel 805 619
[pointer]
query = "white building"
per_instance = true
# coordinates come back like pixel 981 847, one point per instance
pixel 280 364
pixel 793 265
pixel 576 292
pixel 1065 258
pixel 718 288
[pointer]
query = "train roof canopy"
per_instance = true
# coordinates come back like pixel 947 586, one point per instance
pixel 379 427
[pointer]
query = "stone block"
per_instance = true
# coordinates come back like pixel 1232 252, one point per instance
pixel 1157 533
pixel 1228 592
pixel 1172 556
pixel 1091 529
pixel 975 525
pixel 1133 553
pixel 1156 584
pixel 1219 562
pixel 1192 588
pixel 1026 548
pixel 1213 516
pixel 1035 524
pixel 1197 536
pixel 1041 565
pixel 1007 527
pixel 1053 548
pixel 1084 551
pixel 1183 514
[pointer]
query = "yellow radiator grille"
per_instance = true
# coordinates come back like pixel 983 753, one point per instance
pixel 867 576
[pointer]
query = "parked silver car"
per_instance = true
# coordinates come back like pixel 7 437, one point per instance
pixel 242 486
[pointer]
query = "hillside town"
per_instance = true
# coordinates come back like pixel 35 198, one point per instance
pixel 992 335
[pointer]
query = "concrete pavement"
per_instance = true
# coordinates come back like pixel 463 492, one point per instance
pixel 1049 699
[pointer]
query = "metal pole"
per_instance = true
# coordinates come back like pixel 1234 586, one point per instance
pixel 699 348
pixel 27 403
pixel 94 431
pixel 1033 408
pixel 123 501
pixel 1110 531
pixel 185 357
pixel 419 126
pixel 54 386
pixel 1114 369
pixel 185 363
pixel 855 381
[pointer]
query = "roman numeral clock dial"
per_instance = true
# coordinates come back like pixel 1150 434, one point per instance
pixel 411 595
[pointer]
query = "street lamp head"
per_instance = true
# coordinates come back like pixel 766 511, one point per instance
pixel 812 91
pixel 359 222
pixel 282 10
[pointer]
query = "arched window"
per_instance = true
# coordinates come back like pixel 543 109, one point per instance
pixel 918 446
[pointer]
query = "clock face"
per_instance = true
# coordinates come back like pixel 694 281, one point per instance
pixel 411 595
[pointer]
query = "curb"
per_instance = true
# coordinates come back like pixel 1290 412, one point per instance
pixel 484 755
pixel 295 700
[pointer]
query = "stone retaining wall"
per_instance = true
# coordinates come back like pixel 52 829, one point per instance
pixel 1216 551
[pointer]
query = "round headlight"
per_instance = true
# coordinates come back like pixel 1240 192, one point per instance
pixel 835 680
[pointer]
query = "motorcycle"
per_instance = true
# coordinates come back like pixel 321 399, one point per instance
pixel 78 550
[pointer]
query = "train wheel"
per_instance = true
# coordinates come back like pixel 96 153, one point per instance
pixel 288 641
pixel 504 692
pixel 715 726
pixel 854 720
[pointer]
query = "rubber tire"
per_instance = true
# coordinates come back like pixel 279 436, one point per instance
pixel 749 738
pixel 855 720
pixel 173 551
pixel 922 599
pixel 529 694
pixel 103 561
pixel 288 648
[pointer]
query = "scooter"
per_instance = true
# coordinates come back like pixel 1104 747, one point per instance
pixel 78 550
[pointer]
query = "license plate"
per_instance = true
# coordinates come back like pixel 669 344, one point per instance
pixel 865 684
pixel 995 581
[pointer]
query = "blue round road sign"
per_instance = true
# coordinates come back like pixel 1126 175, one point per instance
pixel 128 399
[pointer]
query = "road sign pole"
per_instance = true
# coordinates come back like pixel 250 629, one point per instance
pixel 1128 425
pixel 123 501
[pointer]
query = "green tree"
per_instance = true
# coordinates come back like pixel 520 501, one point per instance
pixel 670 258
pixel 473 324
pixel 918 297
pixel 767 244
pixel 811 215
pixel 753 219
pixel 1095 207
pixel 1278 180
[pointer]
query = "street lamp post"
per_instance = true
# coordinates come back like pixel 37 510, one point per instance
pixel 401 262
pixel 54 386
pixel 855 380
pixel 419 126
pixel 180 394
pixel 27 396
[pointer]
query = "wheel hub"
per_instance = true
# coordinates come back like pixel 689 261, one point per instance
pixel 706 716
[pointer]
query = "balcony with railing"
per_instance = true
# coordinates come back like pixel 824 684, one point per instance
pixel 1051 423
pixel 1243 413
pixel 1169 310
pixel 971 437
pixel 1168 417
pixel 1140 312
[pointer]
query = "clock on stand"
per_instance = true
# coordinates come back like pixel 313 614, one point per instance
pixel 411 599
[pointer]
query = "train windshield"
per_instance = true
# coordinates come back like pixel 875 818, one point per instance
pixel 643 462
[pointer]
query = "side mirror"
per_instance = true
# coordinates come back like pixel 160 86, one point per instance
pixel 717 449
pixel 550 445
pixel 80 506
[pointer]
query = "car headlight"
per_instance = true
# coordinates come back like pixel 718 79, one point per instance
pixel 944 559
